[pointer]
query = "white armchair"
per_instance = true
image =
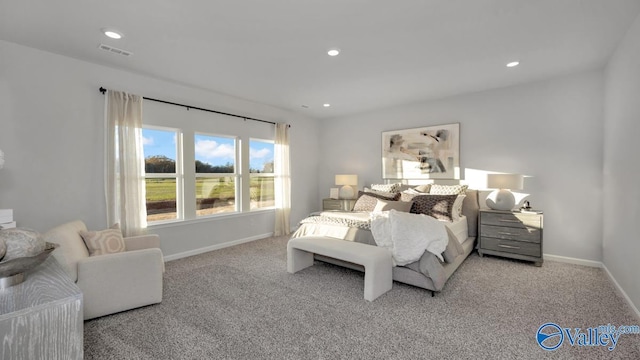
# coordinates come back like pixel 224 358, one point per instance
pixel 114 282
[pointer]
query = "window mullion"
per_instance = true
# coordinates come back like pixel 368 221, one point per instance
pixel 243 178
pixel 189 177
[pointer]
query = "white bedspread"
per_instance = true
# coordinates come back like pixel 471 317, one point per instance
pixel 408 235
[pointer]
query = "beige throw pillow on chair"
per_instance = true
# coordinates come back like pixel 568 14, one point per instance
pixel 109 241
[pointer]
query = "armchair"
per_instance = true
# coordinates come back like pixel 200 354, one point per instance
pixel 113 282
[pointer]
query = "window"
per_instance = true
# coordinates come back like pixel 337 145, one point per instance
pixel 162 180
pixel 205 166
pixel 217 176
pixel 261 187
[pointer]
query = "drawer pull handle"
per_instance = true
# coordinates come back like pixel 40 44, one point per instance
pixel 508 246
pixel 509 221
pixel 504 233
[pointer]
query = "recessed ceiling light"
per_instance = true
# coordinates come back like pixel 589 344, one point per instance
pixel 112 33
pixel 326 105
pixel 333 52
pixel 513 64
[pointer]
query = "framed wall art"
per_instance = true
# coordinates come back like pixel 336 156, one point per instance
pixel 431 152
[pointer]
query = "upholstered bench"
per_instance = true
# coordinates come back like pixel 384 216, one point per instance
pixel 376 261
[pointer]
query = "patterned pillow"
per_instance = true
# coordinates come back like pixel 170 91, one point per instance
pixel 423 188
pixel 382 193
pixel 103 242
pixel 368 201
pixel 392 188
pixel 437 206
pixel 448 189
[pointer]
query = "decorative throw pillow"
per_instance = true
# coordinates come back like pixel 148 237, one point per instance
pixel 423 188
pixel 437 189
pixel 367 201
pixel 387 205
pixel 109 241
pixel 381 193
pixel 457 207
pixel 392 188
pixel 437 206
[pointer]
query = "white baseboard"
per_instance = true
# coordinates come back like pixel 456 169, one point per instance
pixel 597 264
pixel 575 261
pixel 215 247
pixel 622 292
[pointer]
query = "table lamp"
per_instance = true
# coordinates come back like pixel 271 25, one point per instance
pixel 347 182
pixel 502 198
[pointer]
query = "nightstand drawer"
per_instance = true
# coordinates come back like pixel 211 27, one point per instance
pixel 331 205
pixel 511 220
pixel 527 234
pixel 510 246
pixel 338 204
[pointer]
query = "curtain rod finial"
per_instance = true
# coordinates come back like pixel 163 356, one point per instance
pixel 103 90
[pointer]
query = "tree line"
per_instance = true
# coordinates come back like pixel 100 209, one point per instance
pixel 161 164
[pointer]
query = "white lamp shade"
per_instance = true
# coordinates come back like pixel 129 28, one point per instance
pixel 505 181
pixel 346 179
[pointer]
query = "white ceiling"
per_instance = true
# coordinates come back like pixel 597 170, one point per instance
pixel 274 51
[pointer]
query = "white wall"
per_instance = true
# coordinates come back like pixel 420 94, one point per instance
pixel 621 242
pixel 550 130
pixel 51 130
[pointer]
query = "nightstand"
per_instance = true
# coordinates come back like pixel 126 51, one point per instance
pixel 511 234
pixel 338 204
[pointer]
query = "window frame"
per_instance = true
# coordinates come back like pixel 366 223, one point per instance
pixel 254 175
pixel 178 174
pixel 236 175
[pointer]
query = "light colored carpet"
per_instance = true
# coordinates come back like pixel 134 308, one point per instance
pixel 240 303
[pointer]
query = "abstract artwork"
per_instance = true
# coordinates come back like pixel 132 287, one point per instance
pixel 431 152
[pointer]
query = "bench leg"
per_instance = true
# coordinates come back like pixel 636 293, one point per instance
pixel 298 259
pixel 378 279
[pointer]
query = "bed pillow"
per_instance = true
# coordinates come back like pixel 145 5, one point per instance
pixel 381 193
pixel 437 206
pixel 392 188
pixel 409 194
pixel 437 189
pixel 387 205
pixel 423 188
pixel 457 207
pixel 368 201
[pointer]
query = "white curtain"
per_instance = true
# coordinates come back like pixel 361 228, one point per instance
pixel 282 183
pixel 125 187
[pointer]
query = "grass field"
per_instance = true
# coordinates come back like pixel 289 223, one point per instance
pixel 214 195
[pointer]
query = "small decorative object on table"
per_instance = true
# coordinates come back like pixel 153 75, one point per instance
pixel 24 249
pixel 527 209
pixel 334 193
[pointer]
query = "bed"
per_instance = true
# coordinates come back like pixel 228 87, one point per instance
pixel 428 272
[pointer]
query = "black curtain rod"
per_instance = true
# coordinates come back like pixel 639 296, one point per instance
pixel 103 91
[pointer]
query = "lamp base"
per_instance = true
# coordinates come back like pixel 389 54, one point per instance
pixel 502 199
pixel 346 192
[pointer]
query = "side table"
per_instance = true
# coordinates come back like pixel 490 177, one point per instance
pixel 42 318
